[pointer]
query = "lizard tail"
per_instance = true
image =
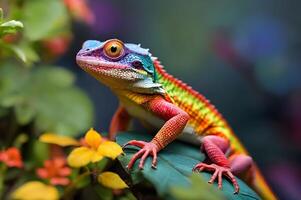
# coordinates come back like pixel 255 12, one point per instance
pixel 261 187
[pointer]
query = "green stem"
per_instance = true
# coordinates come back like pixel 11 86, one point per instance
pixel 3 169
pixel 69 191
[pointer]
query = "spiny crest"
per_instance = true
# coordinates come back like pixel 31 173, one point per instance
pixel 164 76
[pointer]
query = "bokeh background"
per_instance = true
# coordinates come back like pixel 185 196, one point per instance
pixel 242 55
pixel 245 56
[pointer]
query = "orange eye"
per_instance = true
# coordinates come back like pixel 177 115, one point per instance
pixel 113 48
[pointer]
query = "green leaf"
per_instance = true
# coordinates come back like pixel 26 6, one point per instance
pixel 61 108
pixel 22 51
pixel 82 182
pixel 13 49
pixel 13 24
pixel 44 18
pixel 103 193
pixel 18 52
pixel 20 140
pixel 10 27
pixel 65 112
pixel 11 100
pixel 38 152
pixel 48 96
pixel 174 168
pixel 12 81
pixel 29 53
pixel 24 113
pixel 53 76
pixel 127 196
pixel 3 111
pixel 199 190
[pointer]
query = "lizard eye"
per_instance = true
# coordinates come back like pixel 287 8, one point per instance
pixel 114 49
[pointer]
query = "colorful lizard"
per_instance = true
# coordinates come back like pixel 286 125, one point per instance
pixel 147 92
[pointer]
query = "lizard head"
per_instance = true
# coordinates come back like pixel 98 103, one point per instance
pixel 120 66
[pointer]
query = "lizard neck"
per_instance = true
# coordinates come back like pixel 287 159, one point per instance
pixel 134 97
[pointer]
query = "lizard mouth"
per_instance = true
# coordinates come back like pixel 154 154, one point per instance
pixel 92 63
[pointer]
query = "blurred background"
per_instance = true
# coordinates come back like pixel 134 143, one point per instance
pixel 242 55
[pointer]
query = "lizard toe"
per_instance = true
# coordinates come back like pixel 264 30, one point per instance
pixel 219 171
pixel 147 149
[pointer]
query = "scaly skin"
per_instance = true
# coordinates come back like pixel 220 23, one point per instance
pixel 146 91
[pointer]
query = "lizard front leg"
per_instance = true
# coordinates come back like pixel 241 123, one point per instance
pixel 120 122
pixel 176 119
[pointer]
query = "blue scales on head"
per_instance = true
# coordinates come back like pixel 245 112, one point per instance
pixel 92 44
pixel 142 55
pixel 117 64
pixel 134 56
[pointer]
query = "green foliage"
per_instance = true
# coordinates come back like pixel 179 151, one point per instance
pixel 10 27
pixel 198 190
pixel 46 96
pixel 44 19
pixel 20 140
pixel 174 168
pixel 39 97
pixel 1 14
pixel 103 193
pixel 38 152
pixel 14 50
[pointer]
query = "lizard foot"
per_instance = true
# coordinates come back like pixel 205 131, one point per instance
pixel 147 149
pixel 218 172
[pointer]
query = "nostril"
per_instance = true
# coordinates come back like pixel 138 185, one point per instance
pixel 88 49
pixel 137 64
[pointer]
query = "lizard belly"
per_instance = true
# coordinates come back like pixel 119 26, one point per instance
pixel 136 111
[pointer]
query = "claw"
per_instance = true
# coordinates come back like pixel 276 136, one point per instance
pixel 142 160
pixel 154 163
pixel 218 173
pixel 134 143
pixel 213 177
pixel 146 150
pixel 233 180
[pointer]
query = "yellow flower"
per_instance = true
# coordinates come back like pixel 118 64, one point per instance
pixel 95 149
pixel 35 190
pixel 111 180
pixel 58 139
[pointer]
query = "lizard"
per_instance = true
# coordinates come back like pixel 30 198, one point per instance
pixel 147 92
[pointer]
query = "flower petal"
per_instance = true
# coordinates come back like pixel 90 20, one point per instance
pixel 110 149
pixel 65 171
pixel 92 138
pixel 58 139
pixel 111 180
pixel 96 157
pixel 42 173
pixel 35 190
pixel 80 156
pixel 59 181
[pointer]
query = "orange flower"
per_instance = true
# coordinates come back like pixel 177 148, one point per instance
pixel 55 171
pixel 80 10
pixel 56 46
pixel 11 157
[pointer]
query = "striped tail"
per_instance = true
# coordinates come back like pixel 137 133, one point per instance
pixel 261 187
